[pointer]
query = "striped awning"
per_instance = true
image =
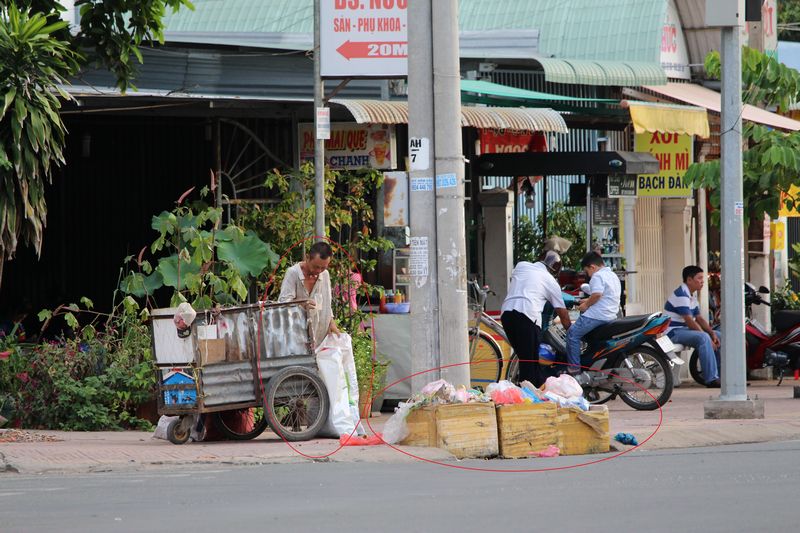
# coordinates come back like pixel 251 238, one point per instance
pixel 601 72
pixel 512 118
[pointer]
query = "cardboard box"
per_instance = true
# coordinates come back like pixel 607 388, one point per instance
pixel 525 428
pixel 211 351
pixel 583 432
pixel 467 429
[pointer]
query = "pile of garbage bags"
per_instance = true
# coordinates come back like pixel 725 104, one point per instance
pixel 563 390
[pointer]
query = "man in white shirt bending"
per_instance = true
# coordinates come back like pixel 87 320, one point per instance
pixel 600 308
pixel 532 284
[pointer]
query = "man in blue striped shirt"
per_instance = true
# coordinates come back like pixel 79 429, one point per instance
pixel 689 328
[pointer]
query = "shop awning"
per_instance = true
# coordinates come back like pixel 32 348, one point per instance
pixel 668 118
pixel 602 72
pixel 512 118
pixel 488 89
pixel 701 96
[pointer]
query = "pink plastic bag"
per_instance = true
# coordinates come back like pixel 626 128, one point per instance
pixel 355 440
pixel 505 392
pixel 550 451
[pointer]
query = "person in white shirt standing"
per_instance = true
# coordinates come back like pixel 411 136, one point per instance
pixel 600 308
pixel 532 284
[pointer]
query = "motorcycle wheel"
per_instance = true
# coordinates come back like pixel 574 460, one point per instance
pixel 695 369
pixel 647 358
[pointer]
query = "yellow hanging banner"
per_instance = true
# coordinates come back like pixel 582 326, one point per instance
pixel 778 236
pixel 794 192
pixel 675 153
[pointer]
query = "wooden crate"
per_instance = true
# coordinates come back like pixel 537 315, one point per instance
pixel 583 432
pixel 421 427
pixel 525 428
pixel 467 429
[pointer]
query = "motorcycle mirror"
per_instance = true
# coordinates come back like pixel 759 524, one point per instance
pixel 763 290
pixel 585 289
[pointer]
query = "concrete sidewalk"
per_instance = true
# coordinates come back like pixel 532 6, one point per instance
pixel 682 425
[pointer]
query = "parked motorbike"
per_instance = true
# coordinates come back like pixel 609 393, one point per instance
pixel 629 357
pixel 779 349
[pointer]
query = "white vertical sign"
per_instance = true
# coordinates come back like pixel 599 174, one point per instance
pixel 323 123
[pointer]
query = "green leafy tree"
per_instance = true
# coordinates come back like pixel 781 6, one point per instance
pixel 562 221
pixel 772 160
pixel 789 20
pixel 199 259
pixel 38 54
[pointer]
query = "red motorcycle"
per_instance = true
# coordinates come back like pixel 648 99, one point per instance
pixel 779 349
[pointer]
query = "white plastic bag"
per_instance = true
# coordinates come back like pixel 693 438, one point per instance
pixel 564 385
pixel 161 428
pixel 338 370
pixel 396 428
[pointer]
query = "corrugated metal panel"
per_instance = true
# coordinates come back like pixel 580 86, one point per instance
pixel 228 383
pixel 252 75
pixel 700 39
pixel 291 16
pixel 520 119
pixel 580 29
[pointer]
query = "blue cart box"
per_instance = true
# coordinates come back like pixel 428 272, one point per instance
pixel 186 395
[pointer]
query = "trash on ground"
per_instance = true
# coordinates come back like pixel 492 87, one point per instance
pixel 626 438
pixel 550 451
pixel 361 440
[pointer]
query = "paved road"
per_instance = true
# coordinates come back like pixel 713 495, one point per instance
pixel 726 489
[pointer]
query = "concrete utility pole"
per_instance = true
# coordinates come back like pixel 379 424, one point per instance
pixel 423 288
pixel 450 230
pixel 319 144
pixel 733 401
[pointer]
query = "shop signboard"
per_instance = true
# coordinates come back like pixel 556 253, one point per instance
pixel 674 152
pixel 674 52
pixel 352 146
pixel 493 141
pixel 363 38
pixel 621 186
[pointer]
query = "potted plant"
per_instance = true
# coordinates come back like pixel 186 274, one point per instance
pixel 369 369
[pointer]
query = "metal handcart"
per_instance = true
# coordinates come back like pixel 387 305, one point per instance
pixel 220 366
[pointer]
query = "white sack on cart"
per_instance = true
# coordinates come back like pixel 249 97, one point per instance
pixel 337 370
pixel 161 428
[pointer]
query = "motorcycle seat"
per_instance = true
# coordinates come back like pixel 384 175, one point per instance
pixel 615 327
pixel 785 320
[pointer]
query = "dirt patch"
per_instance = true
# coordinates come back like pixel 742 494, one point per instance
pixel 18 435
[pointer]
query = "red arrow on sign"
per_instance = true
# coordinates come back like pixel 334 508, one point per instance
pixel 364 49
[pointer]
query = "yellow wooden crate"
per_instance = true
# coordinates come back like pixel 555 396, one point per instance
pixel 583 432
pixel 467 430
pixel 421 428
pixel 525 428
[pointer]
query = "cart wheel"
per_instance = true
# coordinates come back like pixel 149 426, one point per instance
pixel 297 403
pixel 241 424
pixel 178 432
